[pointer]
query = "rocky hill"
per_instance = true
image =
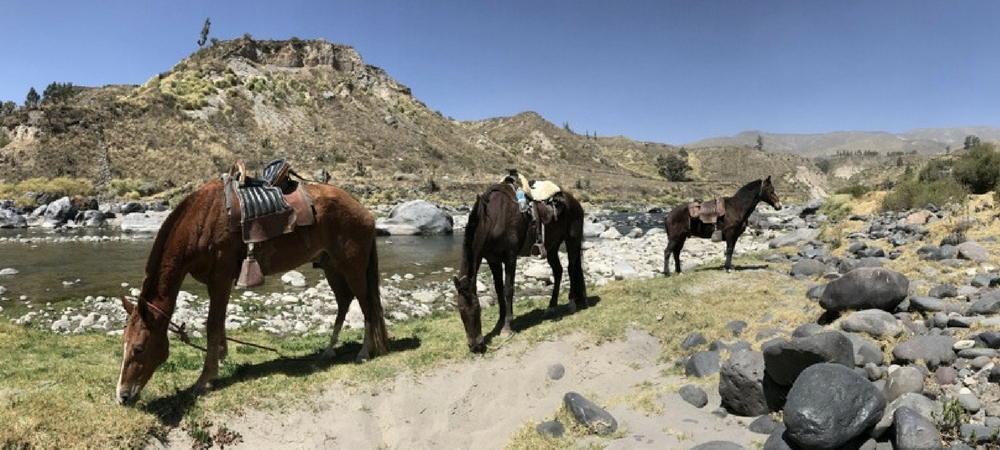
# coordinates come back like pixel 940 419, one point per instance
pixel 927 141
pixel 319 105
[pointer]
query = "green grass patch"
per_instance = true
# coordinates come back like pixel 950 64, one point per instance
pixel 58 391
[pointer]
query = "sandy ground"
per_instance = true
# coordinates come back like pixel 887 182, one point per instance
pixel 481 403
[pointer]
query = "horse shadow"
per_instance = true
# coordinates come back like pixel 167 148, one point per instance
pixel 736 268
pixel 171 409
pixel 539 315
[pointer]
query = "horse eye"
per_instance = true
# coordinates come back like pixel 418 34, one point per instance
pixel 137 350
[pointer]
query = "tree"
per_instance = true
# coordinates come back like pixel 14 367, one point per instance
pixel 672 167
pixel 760 142
pixel 7 107
pixel 57 92
pixel 204 32
pixel 32 99
pixel 971 141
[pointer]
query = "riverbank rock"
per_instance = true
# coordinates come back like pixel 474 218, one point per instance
pixel 418 217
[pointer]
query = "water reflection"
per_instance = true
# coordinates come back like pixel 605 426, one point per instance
pixel 56 272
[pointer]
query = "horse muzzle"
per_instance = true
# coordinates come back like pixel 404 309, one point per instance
pixel 477 345
pixel 127 395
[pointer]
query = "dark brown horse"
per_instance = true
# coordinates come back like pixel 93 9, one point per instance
pixel 195 239
pixel 680 224
pixel 496 231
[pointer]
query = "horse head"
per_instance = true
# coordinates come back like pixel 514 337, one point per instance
pixel 768 195
pixel 470 311
pixel 145 347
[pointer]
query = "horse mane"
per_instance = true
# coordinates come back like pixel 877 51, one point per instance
pixel 156 252
pixel 470 233
pixel 747 194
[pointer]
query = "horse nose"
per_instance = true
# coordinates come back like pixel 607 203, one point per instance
pixel 476 345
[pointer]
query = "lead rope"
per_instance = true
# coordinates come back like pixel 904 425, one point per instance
pixel 181 332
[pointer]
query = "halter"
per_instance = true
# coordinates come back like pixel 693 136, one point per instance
pixel 181 332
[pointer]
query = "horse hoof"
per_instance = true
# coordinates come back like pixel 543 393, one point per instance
pixel 362 357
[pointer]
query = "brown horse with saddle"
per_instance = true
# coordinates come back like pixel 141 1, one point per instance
pixel 238 228
pixel 499 231
pixel 723 218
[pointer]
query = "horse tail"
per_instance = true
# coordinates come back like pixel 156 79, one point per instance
pixel 377 319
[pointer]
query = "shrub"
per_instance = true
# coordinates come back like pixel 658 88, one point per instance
pixel 979 169
pixel 911 194
pixel 854 190
pixel 672 167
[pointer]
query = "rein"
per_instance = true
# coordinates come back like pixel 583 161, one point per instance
pixel 181 332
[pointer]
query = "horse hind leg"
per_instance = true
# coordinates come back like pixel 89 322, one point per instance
pixel 342 292
pixel 557 272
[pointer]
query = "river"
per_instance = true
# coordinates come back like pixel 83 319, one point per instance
pixel 70 270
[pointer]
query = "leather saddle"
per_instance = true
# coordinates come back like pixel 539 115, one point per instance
pixel 264 208
pixel 707 212
pixel 541 213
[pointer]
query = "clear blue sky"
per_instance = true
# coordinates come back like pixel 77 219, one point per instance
pixel 653 70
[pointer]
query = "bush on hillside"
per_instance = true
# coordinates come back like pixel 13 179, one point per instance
pixel 913 193
pixel 979 169
pixel 854 190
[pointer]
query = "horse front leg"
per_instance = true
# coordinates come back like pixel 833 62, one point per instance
pixel 215 326
pixel 503 304
pixel 730 246
pixel 557 271
pixel 577 282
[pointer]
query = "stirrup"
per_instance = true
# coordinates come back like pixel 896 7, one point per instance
pixel 538 249
pixel 717 236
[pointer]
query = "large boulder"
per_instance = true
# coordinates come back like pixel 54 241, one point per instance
pixel 784 361
pixel 865 288
pixel 10 219
pixel 831 407
pixel 59 212
pixel 741 384
pixel 417 217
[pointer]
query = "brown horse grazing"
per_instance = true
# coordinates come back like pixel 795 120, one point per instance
pixel 195 239
pixel 680 224
pixel 496 231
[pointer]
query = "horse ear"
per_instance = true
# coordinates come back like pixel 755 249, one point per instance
pixel 768 180
pixel 129 306
pixel 143 308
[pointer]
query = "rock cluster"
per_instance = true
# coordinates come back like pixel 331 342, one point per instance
pixel 886 366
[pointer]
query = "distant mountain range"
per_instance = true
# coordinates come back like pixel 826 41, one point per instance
pixel 921 141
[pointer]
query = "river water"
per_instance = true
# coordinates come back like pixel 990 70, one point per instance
pixel 58 272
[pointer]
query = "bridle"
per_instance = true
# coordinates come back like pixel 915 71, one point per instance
pixel 182 334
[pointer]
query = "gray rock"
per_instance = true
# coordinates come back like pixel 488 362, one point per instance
pixel 764 425
pixel 741 384
pixel 875 322
pixel 703 364
pixel 694 395
pixel 903 380
pixel 784 361
pixel 588 414
pixel 865 288
pixel 10 219
pixel 417 217
pixel 693 340
pixel 934 350
pixel 806 268
pixel 924 303
pixel 914 431
pixel 830 406
pixel 794 238
pixel 556 371
pixel 973 251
